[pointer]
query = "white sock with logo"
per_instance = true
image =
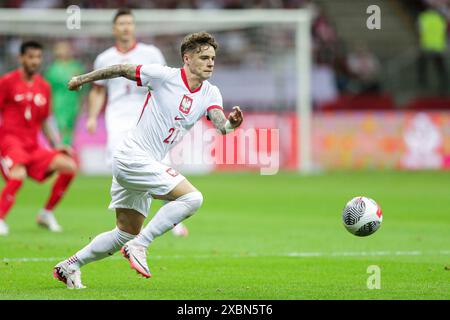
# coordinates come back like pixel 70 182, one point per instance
pixel 102 246
pixel 168 216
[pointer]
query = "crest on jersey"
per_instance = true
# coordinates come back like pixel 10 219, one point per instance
pixel 172 172
pixel 39 100
pixel 186 104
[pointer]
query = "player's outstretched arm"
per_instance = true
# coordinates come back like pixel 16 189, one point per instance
pixel 223 124
pixel 49 133
pixel 118 70
pixel 96 99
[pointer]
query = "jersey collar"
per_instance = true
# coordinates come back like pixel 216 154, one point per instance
pixel 183 76
pixel 21 73
pixel 123 51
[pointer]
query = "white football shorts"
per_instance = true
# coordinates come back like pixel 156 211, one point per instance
pixel 135 180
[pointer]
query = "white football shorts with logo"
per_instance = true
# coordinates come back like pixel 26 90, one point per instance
pixel 135 180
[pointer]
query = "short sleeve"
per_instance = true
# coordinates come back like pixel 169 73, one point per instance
pixel 151 75
pixel 215 101
pixel 99 64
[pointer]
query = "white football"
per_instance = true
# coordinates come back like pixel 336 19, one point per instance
pixel 362 216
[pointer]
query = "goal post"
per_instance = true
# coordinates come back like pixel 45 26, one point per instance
pixel 97 23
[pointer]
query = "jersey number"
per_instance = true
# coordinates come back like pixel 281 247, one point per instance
pixel 170 139
pixel 27 113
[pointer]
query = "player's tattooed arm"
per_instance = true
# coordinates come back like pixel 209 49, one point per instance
pixel 118 70
pixel 222 124
pixel 218 119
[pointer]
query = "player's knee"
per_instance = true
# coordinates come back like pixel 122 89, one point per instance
pixel 127 226
pixel 64 164
pixel 129 221
pixel 69 167
pixel 72 166
pixel 193 200
pixel 18 173
pixel 130 229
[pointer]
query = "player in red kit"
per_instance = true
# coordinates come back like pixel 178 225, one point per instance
pixel 24 109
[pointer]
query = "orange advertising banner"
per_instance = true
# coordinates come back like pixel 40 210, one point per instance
pixel 394 140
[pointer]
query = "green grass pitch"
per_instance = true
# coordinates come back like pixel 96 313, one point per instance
pixel 256 237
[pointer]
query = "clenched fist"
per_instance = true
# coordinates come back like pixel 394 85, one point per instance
pixel 236 117
pixel 74 84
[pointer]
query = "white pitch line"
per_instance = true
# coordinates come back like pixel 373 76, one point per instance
pixel 254 255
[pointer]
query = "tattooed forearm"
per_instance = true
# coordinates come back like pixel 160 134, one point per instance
pixel 119 70
pixel 218 119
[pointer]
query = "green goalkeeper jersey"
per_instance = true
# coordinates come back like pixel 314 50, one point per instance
pixel 65 103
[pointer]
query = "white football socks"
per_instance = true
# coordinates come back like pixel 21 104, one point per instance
pixel 102 246
pixel 168 216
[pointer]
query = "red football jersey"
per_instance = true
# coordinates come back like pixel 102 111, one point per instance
pixel 23 106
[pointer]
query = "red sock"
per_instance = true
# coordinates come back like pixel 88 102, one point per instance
pixel 60 186
pixel 8 196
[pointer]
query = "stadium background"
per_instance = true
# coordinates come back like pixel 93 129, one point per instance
pixel 372 118
pixel 364 83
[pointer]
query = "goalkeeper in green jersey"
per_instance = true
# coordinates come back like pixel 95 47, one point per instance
pixel 65 103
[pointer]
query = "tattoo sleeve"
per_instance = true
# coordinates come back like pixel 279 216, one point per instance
pixel 218 119
pixel 119 70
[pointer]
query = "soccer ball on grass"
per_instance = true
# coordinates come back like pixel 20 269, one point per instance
pixel 362 216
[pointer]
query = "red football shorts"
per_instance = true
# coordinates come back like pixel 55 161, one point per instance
pixel 35 158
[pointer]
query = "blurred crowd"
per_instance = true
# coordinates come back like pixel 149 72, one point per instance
pixel 246 51
pixel 433 24
pixel 338 68
pixel 442 6
pixel 354 70
pixel 158 4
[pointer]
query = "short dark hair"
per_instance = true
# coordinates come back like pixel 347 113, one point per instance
pixel 122 12
pixel 197 40
pixel 30 44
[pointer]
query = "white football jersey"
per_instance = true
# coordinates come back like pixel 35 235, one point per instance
pixel 170 110
pixel 124 98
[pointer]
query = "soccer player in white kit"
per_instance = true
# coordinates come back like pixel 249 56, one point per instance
pixel 124 98
pixel 176 100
